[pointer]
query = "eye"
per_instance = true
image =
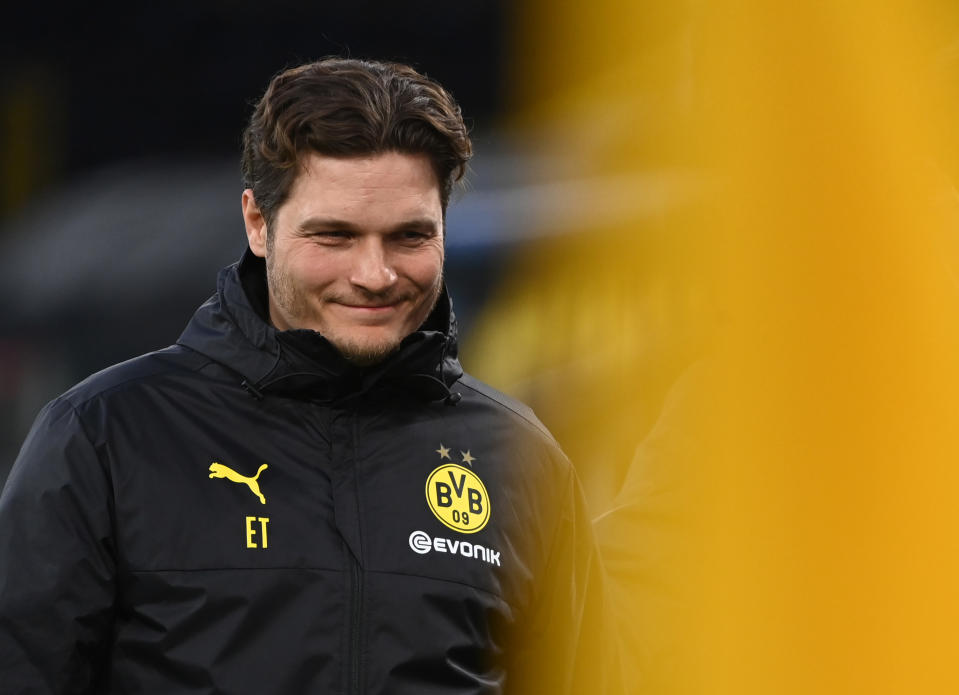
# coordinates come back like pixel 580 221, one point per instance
pixel 333 236
pixel 414 237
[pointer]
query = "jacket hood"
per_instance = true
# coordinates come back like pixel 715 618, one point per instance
pixel 232 328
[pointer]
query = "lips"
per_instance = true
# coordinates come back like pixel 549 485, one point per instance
pixel 370 309
pixel 370 314
pixel 380 305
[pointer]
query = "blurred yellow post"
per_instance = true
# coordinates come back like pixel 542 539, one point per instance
pixel 757 377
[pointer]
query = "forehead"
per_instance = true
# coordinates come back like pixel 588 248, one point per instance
pixel 375 188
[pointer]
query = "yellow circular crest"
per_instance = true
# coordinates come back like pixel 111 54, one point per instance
pixel 458 498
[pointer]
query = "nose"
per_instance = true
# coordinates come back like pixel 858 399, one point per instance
pixel 372 269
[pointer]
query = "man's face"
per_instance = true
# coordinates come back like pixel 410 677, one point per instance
pixel 355 252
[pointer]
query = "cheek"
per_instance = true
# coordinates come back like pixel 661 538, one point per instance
pixel 428 269
pixel 312 267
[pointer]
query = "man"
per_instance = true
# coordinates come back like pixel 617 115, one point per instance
pixel 305 494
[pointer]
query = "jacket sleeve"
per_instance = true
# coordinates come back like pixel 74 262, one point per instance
pixel 56 560
pixel 565 647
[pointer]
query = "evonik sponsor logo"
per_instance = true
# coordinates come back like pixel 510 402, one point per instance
pixel 421 543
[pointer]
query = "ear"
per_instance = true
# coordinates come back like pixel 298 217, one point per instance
pixel 255 224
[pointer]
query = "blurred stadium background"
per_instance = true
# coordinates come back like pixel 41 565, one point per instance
pixel 119 164
pixel 711 242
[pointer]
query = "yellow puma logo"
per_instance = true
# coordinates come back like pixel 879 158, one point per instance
pixel 218 470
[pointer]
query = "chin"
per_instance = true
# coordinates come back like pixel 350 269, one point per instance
pixel 366 354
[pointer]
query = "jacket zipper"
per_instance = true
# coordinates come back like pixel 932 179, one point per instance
pixel 356 599
pixel 356 581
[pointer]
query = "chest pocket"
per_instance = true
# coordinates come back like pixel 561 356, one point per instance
pixel 233 511
pixel 439 522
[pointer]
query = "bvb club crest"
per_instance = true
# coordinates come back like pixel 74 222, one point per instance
pixel 456 495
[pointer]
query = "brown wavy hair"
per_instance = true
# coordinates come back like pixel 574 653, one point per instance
pixel 343 107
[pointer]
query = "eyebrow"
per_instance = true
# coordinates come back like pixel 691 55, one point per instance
pixel 317 224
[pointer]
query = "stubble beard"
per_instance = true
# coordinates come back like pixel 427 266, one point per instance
pixel 297 307
pixel 365 355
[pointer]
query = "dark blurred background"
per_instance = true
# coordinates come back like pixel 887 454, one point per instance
pixel 119 169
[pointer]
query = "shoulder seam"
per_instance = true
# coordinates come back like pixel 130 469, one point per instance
pixel 80 402
pixel 539 426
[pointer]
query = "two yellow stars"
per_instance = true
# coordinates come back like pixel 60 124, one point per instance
pixel 444 453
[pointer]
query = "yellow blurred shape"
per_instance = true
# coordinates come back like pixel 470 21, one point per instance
pixel 759 382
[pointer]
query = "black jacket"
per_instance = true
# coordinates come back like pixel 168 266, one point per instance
pixel 246 512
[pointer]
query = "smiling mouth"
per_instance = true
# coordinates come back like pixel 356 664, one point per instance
pixel 370 314
pixel 371 307
pixel 371 303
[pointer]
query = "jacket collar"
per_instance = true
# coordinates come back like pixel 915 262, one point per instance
pixel 232 329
